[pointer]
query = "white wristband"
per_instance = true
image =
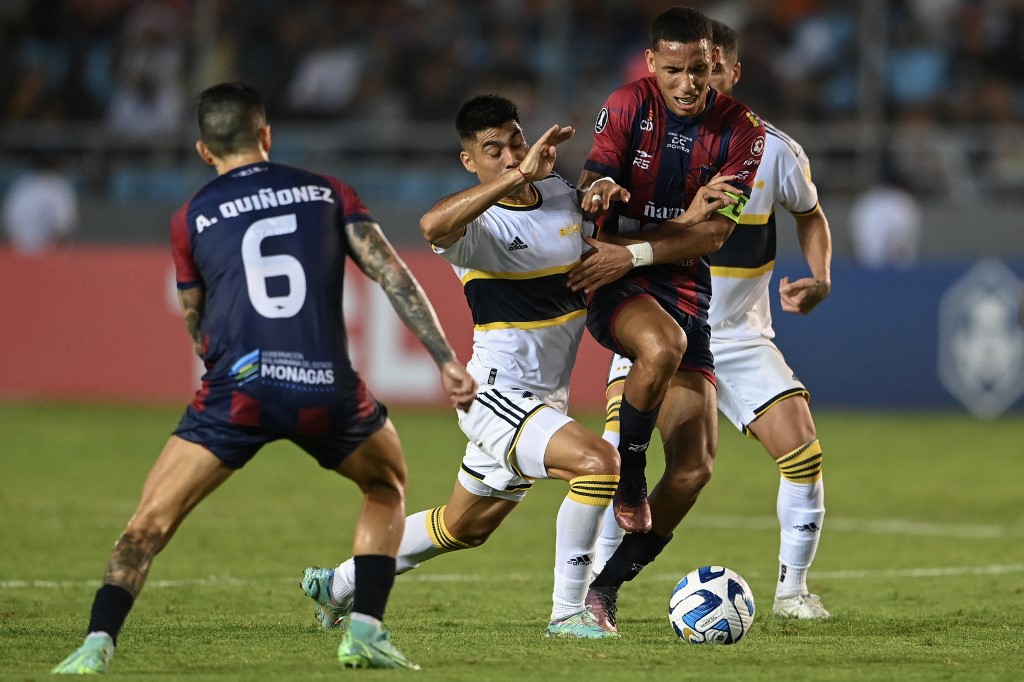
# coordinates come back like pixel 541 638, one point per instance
pixel 643 253
pixel 594 183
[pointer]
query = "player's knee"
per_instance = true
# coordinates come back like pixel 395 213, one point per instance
pixel 599 458
pixel 692 477
pixel 664 353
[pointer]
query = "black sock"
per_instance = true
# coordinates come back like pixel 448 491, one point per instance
pixel 375 575
pixel 109 610
pixel 635 430
pixel 632 555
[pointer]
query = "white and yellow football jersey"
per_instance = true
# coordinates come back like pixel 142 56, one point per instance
pixel 512 262
pixel 742 269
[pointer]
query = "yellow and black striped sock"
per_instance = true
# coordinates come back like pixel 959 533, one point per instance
pixel 438 533
pixel 611 414
pixel 596 491
pixel 803 465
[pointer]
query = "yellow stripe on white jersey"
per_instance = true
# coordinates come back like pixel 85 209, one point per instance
pixel 512 262
pixel 742 269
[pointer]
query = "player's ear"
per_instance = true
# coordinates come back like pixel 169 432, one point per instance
pixel 736 73
pixel 204 152
pixel 264 136
pixel 467 162
pixel 649 56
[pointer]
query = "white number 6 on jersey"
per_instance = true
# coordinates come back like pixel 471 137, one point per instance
pixel 258 268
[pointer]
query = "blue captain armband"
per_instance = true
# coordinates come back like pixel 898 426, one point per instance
pixel 733 211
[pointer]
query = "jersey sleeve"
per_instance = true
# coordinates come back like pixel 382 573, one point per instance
pixel 612 133
pixel 460 252
pixel 352 208
pixel 797 193
pixel 746 149
pixel 186 272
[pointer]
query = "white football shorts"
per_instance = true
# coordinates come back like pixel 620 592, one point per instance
pixel 752 376
pixel 509 430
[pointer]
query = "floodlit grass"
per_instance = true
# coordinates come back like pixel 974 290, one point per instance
pixel 921 561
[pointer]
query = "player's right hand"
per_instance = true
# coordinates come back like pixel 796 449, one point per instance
pixel 710 198
pixel 458 384
pixel 540 160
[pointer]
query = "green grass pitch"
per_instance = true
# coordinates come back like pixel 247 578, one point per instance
pixel 921 561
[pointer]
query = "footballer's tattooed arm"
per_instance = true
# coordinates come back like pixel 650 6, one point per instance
pixel 375 256
pixel 192 302
pixel 129 563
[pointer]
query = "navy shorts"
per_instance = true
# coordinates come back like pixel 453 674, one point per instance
pixel 609 300
pixel 236 444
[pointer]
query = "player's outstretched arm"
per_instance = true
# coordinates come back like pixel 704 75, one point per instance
pixel 597 193
pixel 803 295
pixel 445 223
pixel 699 231
pixel 192 302
pixel 375 256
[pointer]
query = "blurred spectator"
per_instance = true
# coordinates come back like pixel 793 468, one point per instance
pixel 885 224
pixel 149 98
pixel 328 74
pixel 40 208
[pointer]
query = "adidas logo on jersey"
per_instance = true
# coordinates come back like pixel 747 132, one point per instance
pixel 807 527
pixel 518 244
pixel 582 560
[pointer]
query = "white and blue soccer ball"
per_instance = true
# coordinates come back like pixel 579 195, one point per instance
pixel 712 604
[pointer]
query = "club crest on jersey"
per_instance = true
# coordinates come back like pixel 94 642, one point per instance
pixel 602 120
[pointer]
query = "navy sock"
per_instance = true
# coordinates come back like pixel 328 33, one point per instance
pixel 375 575
pixel 635 430
pixel 109 610
pixel 632 555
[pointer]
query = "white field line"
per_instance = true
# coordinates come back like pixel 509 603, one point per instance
pixel 220 581
pixel 874 527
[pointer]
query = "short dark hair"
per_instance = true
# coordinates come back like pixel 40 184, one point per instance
pixel 230 117
pixel 680 25
pixel 483 112
pixel 723 36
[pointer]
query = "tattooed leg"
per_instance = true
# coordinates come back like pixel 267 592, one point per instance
pixel 131 559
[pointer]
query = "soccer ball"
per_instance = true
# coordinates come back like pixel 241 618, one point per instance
pixel 712 604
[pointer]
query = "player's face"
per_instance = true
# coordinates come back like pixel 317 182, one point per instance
pixel 725 73
pixel 683 71
pixel 496 151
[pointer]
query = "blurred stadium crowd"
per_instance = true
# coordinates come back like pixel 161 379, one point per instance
pixel 929 90
pixel 135 63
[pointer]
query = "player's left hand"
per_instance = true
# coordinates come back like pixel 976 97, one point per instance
pixel 598 198
pixel 803 295
pixel 604 264
pixel 459 384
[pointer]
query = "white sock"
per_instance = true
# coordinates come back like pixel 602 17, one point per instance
pixel 611 436
pixel 369 620
pixel 416 547
pixel 609 540
pixel 576 530
pixel 801 511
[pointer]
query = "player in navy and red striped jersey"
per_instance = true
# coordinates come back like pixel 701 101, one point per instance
pixel 260 255
pixel 688 156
